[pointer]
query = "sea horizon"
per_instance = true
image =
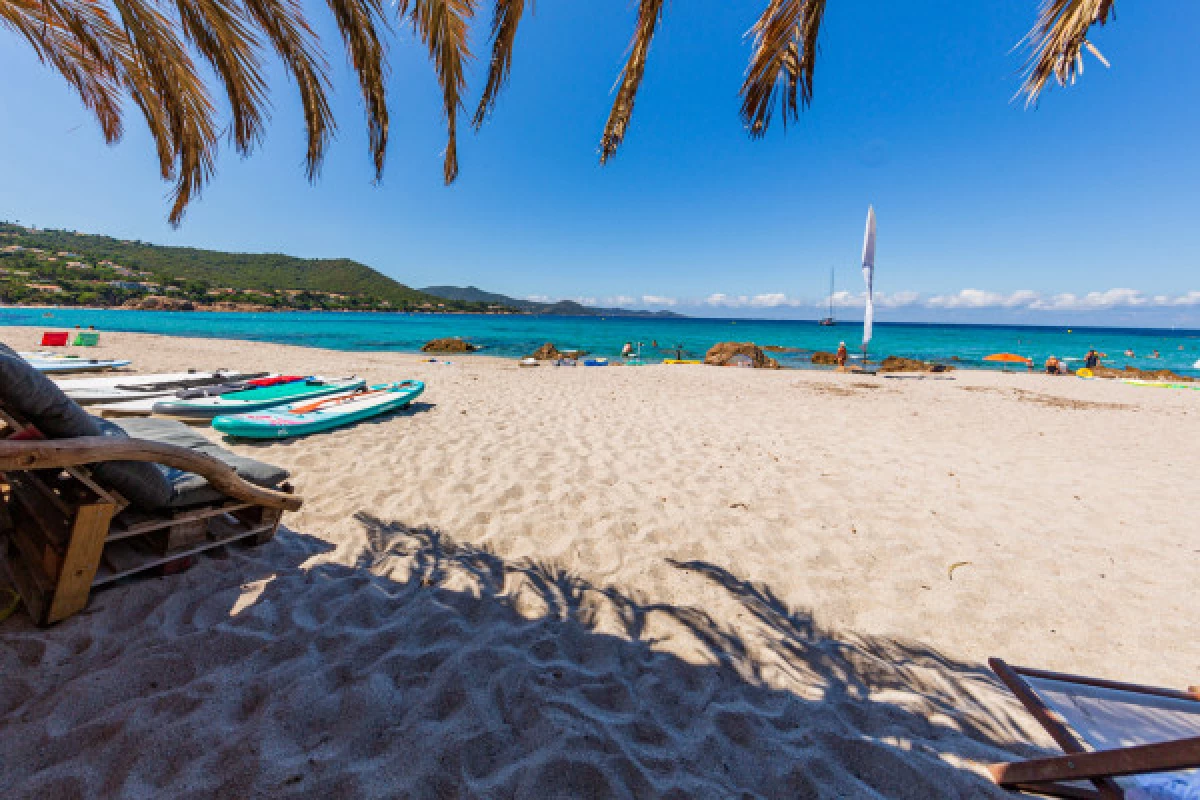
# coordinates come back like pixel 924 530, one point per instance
pixel 516 335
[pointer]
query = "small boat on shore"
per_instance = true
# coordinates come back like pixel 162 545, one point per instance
pixel 332 411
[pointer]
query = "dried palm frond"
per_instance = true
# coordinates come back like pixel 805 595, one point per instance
pixel 287 29
pixel 504 35
pixel 358 20
pixel 164 83
pixel 649 15
pixel 221 33
pixel 783 62
pixel 1057 41
pixel 75 39
pixel 442 27
pixel 142 51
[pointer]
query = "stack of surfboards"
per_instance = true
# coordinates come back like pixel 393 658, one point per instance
pixel 249 405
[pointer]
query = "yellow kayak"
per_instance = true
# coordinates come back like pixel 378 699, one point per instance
pixel 681 361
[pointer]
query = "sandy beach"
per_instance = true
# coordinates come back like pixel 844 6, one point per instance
pixel 663 581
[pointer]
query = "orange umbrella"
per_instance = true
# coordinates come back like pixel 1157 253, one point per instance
pixel 1008 358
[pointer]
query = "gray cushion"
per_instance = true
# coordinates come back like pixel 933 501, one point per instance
pixel 30 394
pixel 36 398
pixel 186 488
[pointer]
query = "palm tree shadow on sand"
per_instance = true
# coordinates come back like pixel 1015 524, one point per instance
pixel 431 668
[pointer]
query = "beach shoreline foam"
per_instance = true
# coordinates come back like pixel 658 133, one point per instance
pixel 665 581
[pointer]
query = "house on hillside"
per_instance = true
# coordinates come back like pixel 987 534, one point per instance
pixel 52 288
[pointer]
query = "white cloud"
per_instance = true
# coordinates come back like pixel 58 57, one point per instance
pixel 844 299
pixel 1187 299
pixel 658 300
pixel 962 300
pixel 719 299
pixel 1093 301
pixel 765 300
pixel 978 298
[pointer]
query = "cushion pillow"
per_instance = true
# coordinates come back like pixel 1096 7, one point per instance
pixel 187 488
pixel 30 394
pixel 38 399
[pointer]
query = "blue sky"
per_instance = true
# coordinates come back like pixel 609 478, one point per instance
pixel 1080 210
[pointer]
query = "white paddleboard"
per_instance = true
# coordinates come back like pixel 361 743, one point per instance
pixel 134 388
pixel 69 384
pixel 74 364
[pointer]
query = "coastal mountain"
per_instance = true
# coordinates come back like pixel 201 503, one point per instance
pixel 333 282
pixel 58 267
pixel 563 308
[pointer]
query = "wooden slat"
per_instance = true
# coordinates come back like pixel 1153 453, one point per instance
pixel 41 506
pixel 60 453
pixel 1049 720
pixel 1138 760
pixel 81 561
pixel 33 588
pixel 156 523
pixel 34 545
pixel 109 575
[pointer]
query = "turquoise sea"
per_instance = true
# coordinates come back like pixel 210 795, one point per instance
pixel 515 336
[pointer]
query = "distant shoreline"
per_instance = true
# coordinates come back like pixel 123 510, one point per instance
pixel 847 325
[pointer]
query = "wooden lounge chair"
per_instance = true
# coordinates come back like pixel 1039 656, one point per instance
pixel 86 502
pixel 1122 741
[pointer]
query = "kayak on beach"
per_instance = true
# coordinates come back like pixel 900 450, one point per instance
pixel 303 417
pixel 255 398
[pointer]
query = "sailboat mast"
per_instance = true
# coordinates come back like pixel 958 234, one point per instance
pixel 831 293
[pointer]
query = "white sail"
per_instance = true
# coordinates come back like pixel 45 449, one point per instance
pixel 868 267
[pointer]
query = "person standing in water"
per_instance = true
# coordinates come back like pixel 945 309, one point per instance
pixel 842 354
pixel 1092 359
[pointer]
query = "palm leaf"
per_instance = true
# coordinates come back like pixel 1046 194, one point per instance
pixel 286 28
pixel 162 78
pixel 221 33
pixel 442 27
pixel 649 15
pixel 504 36
pixel 783 62
pixel 357 20
pixel 1057 41
pixel 74 39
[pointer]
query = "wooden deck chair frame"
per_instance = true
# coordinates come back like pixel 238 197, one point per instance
pixel 56 525
pixel 1048 776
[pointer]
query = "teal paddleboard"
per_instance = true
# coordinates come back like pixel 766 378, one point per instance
pixel 312 416
pixel 255 399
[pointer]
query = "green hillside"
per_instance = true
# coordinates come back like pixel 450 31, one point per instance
pixel 203 270
pixel 563 308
